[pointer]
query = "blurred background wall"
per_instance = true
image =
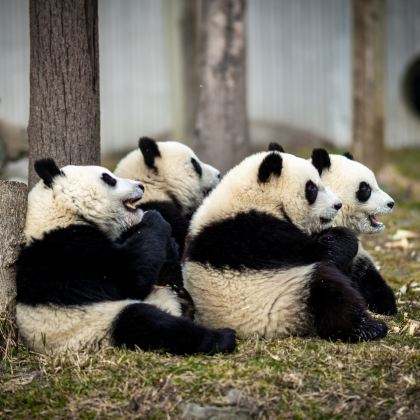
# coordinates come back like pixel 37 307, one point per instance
pixel 299 70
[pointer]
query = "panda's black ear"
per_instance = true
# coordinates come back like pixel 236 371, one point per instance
pixel 275 147
pixel 348 155
pixel 272 164
pixel 150 151
pixel 47 170
pixel 320 159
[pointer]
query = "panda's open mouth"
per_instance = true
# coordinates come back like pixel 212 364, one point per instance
pixel 374 222
pixel 325 221
pixel 132 204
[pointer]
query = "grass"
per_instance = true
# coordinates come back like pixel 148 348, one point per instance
pixel 290 378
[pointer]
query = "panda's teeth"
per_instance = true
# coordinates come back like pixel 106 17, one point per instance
pixel 374 222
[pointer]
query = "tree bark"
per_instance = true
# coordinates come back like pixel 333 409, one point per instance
pixel 221 128
pixel 64 82
pixel 13 200
pixel 368 81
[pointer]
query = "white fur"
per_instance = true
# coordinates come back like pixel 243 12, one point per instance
pixel 267 303
pixel 239 191
pixel 175 175
pixel 344 177
pixel 52 328
pixel 78 197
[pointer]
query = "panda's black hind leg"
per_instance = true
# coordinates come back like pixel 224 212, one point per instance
pixel 149 328
pixel 377 293
pixel 339 310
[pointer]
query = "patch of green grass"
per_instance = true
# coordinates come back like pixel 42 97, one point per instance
pixel 290 378
pixel 406 161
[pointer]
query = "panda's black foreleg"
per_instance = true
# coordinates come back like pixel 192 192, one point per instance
pixel 339 310
pixel 149 328
pixel 377 293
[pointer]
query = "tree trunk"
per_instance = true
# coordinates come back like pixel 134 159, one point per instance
pixel 64 82
pixel 13 199
pixel 221 128
pixel 368 81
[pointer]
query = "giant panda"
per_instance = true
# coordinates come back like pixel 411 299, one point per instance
pixel 86 276
pixel 363 200
pixel 261 256
pixel 176 180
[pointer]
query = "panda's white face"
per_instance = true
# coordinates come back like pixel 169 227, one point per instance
pixel 82 194
pixel 358 189
pixel 280 184
pixel 169 170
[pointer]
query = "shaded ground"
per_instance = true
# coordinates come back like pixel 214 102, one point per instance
pixel 288 378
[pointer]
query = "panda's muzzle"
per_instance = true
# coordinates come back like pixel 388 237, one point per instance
pixel 132 204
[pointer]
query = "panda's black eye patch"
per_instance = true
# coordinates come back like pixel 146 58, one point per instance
pixel 108 179
pixel 197 167
pixel 364 192
pixel 311 192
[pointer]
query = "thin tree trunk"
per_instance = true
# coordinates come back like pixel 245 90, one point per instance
pixel 221 128
pixel 368 81
pixel 13 199
pixel 64 82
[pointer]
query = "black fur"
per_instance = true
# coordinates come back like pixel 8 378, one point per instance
pixel 320 159
pixel 197 167
pixel 80 264
pixel 338 310
pixel 377 293
pixel 172 213
pixel 311 192
pixel 47 170
pixel 255 240
pixel 275 147
pixel 150 151
pixel 348 155
pixel 364 192
pixel 271 165
pixel 149 328
pixel 109 180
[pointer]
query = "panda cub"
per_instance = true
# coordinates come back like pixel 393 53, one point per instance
pixel 363 201
pixel 176 180
pixel 262 258
pixel 86 276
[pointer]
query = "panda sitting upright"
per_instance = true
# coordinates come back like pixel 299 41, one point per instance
pixel 176 180
pixel 261 257
pixel 86 276
pixel 363 200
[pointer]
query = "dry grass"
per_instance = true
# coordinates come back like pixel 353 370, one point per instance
pixel 291 378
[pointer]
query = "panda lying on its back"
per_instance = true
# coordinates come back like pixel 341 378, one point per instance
pixel 363 200
pixel 175 179
pixel 87 273
pixel 255 262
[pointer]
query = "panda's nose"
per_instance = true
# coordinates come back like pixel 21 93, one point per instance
pixel 141 186
pixel 390 204
pixel 218 175
pixel 338 206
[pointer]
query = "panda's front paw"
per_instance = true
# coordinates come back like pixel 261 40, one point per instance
pixel 383 302
pixel 368 329
pixel 219 341
pixel 155 220
pixel 341 245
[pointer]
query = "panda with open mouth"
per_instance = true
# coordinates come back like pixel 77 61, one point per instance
pixel 262 258
pixel 87 275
